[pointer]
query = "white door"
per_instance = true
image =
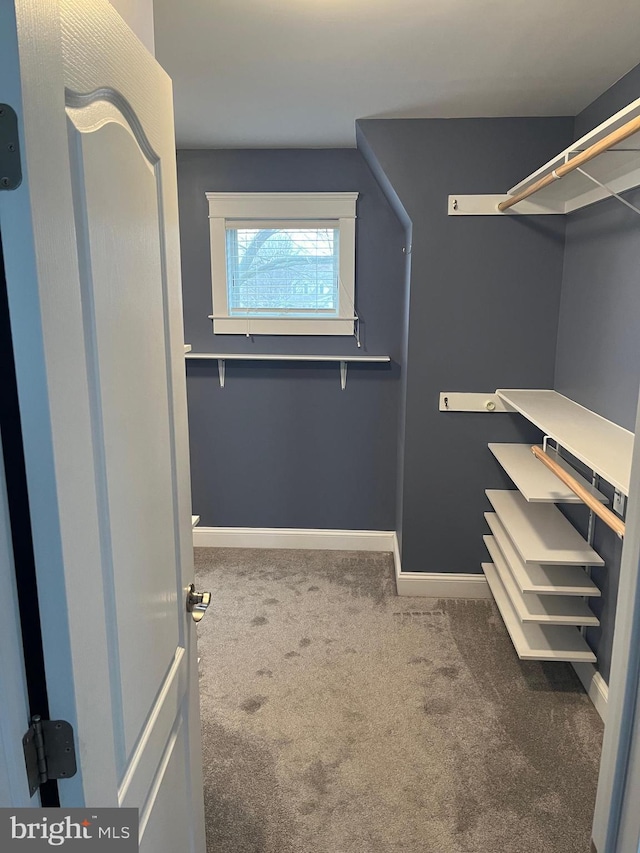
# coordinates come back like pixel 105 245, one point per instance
pixel 92 265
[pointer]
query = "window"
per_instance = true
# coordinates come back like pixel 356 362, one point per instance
pixel 283 263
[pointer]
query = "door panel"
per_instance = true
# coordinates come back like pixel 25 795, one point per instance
pixel 95 304
pixel 118 223
pixel 143 764
pixel 157 834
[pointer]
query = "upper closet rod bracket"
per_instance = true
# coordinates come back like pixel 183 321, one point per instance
pixel 487 205
pixel 461 401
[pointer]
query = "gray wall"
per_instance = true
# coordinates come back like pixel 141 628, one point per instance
pixel 483 314
pixel 598 353
pixel 598 358
pixel 281 445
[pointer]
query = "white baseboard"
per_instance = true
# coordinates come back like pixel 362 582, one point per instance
pixel 434 585
pixel 595 685
pixel 282 537
pixel 442 585
pixel 438 584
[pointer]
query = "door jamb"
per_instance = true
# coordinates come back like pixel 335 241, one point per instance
pixel 20 568
pixel 623 704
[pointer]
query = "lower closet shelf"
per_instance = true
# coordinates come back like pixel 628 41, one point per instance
pixel 537 642
pixel 541 609
pixel 540 532
pixel 541 580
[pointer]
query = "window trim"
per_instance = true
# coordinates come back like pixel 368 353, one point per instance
pixel 340 208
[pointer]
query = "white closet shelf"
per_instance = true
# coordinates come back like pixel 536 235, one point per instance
pixel 540 532
pixel 234 356
pixel 536 483
pixel 609 154
pixel 545 609
pixel 342 360
pixel 532 578
pixel 537 642
pixel 600 444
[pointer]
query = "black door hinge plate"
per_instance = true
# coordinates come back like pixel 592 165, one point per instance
pixel 10 167
pixel 49 752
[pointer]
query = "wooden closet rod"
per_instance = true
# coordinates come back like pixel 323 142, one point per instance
pixel 613 138
pixel 609 518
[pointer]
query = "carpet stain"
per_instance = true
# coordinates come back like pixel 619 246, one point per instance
pixel 448 671
pixel 253 704
pixel 316 776
pixel 246 810
pixel 408 726
pixel 437 706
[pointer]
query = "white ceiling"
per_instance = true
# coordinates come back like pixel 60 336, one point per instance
pixel 290 73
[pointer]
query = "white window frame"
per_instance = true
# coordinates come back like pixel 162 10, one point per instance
pixel 337 210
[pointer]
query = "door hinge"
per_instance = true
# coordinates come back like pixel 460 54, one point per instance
pixel 10 166
pixel 49 752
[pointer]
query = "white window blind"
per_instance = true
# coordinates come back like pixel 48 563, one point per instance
pixel 274 270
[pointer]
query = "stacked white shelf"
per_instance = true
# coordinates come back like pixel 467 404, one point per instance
pixel 540 579
pixel 539 570
pixel 536 576
pixel 537 483
pixel 533 641
pixel 540 533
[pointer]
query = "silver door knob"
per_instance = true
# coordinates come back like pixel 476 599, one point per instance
pixel 197 603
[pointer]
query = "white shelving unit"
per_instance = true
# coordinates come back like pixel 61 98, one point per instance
pixel 537 579
pixel 539 574
pixel 537 642
pixel 540 533
pixel 600 444
pixel 342 360
pixel 535 482
pixel 534 546
pixel 542 609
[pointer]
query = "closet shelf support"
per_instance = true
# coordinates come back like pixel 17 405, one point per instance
pixel 610 191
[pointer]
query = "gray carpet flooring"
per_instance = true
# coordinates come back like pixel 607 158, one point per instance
pixel 339 718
